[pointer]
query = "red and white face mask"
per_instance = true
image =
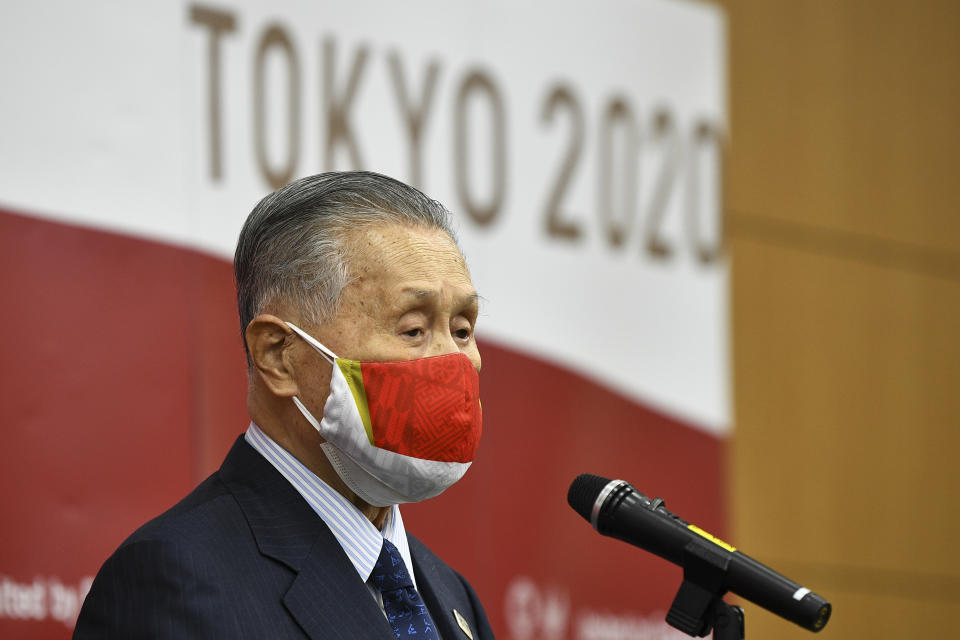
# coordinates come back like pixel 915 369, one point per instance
pixel 399 431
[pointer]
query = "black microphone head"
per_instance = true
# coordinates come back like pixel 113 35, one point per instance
pixel 584 492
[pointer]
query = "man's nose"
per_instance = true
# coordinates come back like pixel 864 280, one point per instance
pixel 444 343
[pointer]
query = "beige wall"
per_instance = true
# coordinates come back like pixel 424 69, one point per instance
pixel 843 211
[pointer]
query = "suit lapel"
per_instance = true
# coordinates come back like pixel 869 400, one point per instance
pixel 441 591
pixel 329 600
pixel 327 597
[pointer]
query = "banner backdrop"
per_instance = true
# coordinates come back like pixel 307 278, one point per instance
pixel 579 146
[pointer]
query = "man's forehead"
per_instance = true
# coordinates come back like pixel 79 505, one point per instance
pixel 393 235
pixel 393 261
pixel 397 248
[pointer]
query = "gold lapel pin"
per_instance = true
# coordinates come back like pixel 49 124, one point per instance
pixel 464 625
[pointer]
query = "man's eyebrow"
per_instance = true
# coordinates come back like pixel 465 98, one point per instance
pixel 473 298
pixel 420 293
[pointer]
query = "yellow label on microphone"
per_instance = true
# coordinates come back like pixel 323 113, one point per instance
pixel 717 541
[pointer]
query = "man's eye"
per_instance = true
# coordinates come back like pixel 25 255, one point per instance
pixel 463 334
pixel 414 333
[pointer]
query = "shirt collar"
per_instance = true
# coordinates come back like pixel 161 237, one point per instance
pixel 360 540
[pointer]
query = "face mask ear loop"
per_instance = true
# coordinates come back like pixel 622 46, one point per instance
pixel 326 353
pixel 306 414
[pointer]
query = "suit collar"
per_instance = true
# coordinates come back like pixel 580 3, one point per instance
pixel 284 526
pixel 326 597
pixel 358 537
pixel 442 592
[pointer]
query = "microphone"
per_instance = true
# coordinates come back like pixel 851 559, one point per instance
pixel 616 509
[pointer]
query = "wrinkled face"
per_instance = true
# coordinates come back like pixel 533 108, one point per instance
pixel 409 296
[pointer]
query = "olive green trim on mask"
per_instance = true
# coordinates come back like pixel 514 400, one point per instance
pixel 354 376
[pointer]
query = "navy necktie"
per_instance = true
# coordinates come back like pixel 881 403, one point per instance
pixel 404 607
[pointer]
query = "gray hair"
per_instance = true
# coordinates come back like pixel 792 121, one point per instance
pixel 292 246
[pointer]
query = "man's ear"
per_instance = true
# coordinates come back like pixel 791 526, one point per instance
pixel 267 340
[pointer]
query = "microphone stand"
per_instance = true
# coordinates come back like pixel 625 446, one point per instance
pixel 698 606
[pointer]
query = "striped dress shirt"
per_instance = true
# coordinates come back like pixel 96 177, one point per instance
pixel 361 541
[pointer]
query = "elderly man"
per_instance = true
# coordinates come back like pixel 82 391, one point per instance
pixel 358 317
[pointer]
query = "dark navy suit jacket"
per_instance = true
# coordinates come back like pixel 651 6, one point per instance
pixel 244 556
